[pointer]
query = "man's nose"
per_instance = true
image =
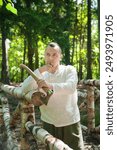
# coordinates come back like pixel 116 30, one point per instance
pixel 50 57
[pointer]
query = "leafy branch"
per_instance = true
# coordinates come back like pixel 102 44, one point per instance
pixel 9 6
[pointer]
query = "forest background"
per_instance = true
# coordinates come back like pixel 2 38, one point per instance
pixel 27 26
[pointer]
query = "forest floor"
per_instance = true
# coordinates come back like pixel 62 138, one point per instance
pixel 91 141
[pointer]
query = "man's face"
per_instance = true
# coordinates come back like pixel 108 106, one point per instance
pixel 52 56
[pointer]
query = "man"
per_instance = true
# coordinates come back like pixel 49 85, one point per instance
pixel 60 116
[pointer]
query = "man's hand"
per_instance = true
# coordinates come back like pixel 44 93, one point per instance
pixel 42 84
pixel 49 67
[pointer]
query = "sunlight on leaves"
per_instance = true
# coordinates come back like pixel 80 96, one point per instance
pixel 11 8
pixel 1 3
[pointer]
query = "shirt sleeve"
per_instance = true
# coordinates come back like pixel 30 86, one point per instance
pixel 70 84
pixel 29 83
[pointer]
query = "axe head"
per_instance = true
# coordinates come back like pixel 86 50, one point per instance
pixel 38 98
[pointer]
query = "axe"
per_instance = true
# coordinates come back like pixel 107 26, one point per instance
pixel 44 92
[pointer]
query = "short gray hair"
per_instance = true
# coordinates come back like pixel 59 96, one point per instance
pixel 54 45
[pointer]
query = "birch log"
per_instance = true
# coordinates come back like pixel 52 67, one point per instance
pixel 93 93
pixel 90 107
pixel 96 130
pixel 15 116
pixel 45 137
pixel 32 96
pixel 1 115
pixel 82 92
pixel 90 82
pixel 15 91
pixel 27 113
pixel 12 143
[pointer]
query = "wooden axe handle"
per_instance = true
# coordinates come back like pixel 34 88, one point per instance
pixel 35 77
pixel 30 72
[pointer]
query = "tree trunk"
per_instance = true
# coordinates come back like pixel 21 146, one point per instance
pixel 98 1
pixel 67 51
pixel 36 54
pixel 89 51
pixel 30 52
pixel 29 40
pixel 67 18
pixel 75 33
pixel 24 55
pixel 4 71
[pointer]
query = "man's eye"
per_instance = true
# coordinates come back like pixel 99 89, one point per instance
pixel 54 54
pixel 48 54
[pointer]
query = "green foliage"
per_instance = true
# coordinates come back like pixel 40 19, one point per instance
pixel 1 3
pixel 39 22
pixel 15 54
pixel 9 6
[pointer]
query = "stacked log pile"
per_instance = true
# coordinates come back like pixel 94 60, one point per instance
pixel 12 143
pixel 90 95
pixel 25 109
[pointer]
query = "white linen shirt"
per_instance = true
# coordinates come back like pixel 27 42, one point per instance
pixel 62 108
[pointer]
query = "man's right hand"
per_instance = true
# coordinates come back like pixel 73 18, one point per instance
pixel 50 68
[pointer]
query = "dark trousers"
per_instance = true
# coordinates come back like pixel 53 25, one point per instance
pixel 70 135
